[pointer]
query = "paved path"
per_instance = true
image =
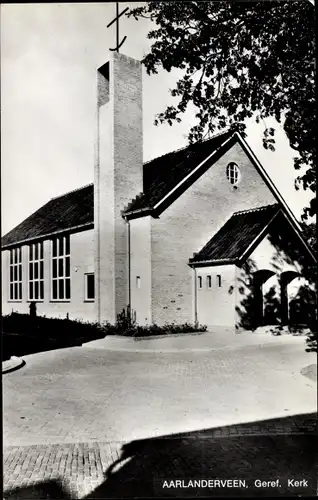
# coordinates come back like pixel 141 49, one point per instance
pixel 280 448
pixel 68 412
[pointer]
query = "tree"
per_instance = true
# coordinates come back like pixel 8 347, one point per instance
pixel 239 60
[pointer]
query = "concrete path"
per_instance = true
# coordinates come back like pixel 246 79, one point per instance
pixel 68 412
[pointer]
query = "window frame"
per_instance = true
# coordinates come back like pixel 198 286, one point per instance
pixel 15 285
pixel 32 261
pixel 86 298
pixel 200 282
pixel 209 281
pixel 233 173
pixel 58 257
pixel 219 280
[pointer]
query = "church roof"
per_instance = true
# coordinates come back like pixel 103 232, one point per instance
pixel 69 211
pixel 163 174
pixel 164 180
pixel 75 210
pixel 237 236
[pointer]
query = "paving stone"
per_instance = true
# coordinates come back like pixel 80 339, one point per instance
pixel 88 406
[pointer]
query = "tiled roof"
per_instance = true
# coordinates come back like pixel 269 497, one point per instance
pixel 76 208
pixel 163 174
pixel 64 212
pixel 237 234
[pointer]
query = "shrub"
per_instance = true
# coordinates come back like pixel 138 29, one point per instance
pixel 312 337
pixel 311 342
pixel 25 334
pixel 127 326
pixel 54 328
pixel 66 329
pixel 154 330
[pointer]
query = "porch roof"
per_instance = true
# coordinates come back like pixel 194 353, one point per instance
pixel 239 234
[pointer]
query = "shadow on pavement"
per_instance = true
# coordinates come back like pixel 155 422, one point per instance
pixel 282 451
pixel 46 490
pixel 145 465
pixel 310 371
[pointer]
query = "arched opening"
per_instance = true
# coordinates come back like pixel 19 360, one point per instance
pixel 271 293
pixel 262 296
pixel 285 279
pixel 298 300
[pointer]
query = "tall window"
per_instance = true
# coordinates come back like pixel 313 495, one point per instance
pixel 15 274
pixel 233 173
pixel 209 281
pixel 89 286
pixel 200 281
pixel 61 281
pixel 36 271
pixel 219 280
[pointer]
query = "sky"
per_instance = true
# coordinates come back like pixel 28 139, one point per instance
pixel 49 57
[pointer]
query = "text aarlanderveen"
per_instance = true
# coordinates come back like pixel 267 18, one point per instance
pixel 204 483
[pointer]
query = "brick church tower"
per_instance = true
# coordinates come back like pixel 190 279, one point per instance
pixel 118 178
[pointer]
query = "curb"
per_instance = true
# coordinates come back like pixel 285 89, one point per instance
pixel 163 350
pixel 14 363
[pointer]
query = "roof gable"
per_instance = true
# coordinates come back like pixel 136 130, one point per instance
pixel 167 175
pixel 244 230
pixel 231 243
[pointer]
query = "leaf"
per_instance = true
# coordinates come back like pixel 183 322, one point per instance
pixel 240 59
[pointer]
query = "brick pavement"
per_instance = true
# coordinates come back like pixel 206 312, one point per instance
pixel 67 413
pixel 83 395
pixel 81 469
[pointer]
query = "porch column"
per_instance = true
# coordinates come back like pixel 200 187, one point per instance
pixel 285 278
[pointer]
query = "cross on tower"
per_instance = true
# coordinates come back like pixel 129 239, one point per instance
pixel 118 45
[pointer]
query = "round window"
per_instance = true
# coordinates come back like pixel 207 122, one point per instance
pixel 233 173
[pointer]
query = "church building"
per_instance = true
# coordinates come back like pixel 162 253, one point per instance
pixel 198 235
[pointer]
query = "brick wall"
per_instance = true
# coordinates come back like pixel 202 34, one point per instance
pixel 266 256
pixel 82 261
pixel 140 245
pixel 5 262
pixel 189 223
pixel 216 304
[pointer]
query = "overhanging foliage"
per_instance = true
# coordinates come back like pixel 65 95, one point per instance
pixel 241 60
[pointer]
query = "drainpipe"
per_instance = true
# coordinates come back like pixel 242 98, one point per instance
pixel 129 267
pixel 195 297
